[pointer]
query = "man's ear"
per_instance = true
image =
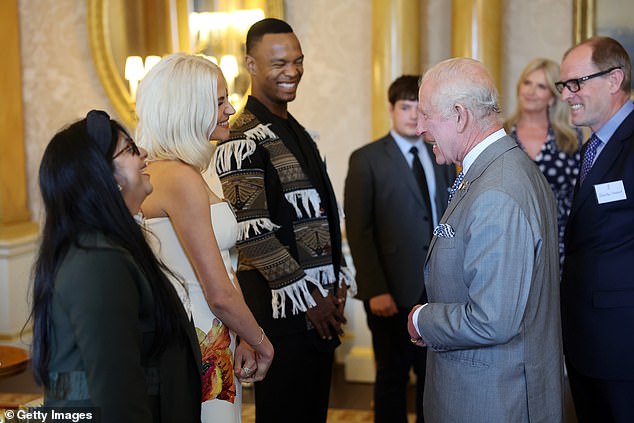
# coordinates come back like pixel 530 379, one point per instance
pixel 616 78
pixel 462 116
pixel 250 62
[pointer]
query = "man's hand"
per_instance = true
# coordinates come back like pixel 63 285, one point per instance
pixel 342 296
pixel 326 315
pixel 383 305
pixel 411 328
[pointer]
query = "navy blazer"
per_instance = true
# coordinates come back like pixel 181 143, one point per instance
pixel 387 221
pixel 598 278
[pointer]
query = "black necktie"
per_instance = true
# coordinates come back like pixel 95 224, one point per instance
pixel 419 173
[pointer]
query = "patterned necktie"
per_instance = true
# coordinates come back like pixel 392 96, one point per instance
pixel 454 187
pixel 588 157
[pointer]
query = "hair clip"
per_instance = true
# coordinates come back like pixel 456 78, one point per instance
pixel 99 129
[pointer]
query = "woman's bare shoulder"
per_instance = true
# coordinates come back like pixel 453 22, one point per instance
pixel 175 184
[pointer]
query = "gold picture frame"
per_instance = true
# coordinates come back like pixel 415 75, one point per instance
pixel 175 30
pixel 611 18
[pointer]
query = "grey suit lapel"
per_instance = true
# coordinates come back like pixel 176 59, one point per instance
pixel 484 160
pixel 401 165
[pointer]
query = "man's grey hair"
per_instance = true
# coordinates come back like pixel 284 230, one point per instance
pixel 467 82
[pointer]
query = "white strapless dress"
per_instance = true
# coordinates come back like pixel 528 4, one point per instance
pixel 222 393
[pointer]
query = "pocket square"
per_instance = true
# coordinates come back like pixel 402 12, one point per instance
pixel 444 230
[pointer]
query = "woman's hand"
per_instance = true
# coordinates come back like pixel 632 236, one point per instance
pixel 244 363
pixel 251 364
pixel 264 357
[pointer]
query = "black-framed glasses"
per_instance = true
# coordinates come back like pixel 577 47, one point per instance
pixel 131 148
pixel 574 85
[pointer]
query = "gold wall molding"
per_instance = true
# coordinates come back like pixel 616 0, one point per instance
pixel 396 47
pixel 115 87
pixel 15 217
pixel 584 17
pixel 477 33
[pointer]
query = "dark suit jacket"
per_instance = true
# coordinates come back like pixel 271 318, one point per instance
pixel 387 222
pixel 102 329
pixel 598 277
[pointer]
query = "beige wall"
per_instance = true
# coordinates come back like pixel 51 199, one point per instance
pixel 61 84
pixel 60 81
pixel 536 28
pixel 335 94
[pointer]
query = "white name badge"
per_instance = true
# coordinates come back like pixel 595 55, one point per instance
pixel 610 191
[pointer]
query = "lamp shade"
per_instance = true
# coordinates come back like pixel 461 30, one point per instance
pixel 229 66
pixel 150 61
pixel 133 68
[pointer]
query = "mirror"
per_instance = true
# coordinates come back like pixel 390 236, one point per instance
pixel 126 38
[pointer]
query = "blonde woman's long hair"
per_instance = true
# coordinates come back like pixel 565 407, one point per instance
pixel 558 113
pixel 177 105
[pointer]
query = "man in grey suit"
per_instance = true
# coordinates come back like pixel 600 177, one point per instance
pixel 394 195
pixel 492 323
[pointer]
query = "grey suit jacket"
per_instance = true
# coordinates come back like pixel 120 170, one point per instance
pixel 387 222
pixel 492 324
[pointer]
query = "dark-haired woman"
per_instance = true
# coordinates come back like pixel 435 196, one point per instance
pixel 109 330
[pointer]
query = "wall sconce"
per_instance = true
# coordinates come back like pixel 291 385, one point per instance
pixel 135 70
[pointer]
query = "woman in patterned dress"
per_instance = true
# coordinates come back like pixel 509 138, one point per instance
pixel 541 126
pixel 182 104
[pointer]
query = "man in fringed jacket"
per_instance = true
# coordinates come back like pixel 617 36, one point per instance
pixel 290 266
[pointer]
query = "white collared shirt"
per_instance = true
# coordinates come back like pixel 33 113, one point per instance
pixel 609 128
pixel 428 167
pixel 479 148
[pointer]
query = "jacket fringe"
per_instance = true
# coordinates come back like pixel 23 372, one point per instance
pixel 255 225
pixel 299 295
pixel 260 133
pixel 348 278
pixel 238 149
pixel 307 197
pixel 325 275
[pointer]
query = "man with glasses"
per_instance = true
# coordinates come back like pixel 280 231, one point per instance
pixel 598 277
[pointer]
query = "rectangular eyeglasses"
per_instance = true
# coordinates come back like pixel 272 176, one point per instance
pixel 131 147
pixel 574 85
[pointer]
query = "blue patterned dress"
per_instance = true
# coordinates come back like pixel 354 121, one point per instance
pixel 561 171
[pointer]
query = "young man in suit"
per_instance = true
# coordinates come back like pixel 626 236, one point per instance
pixel 598 277
pixel 390 215
pixel 290 266
pixel 492 324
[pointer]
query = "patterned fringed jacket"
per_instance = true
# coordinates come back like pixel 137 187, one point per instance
pixel 289 235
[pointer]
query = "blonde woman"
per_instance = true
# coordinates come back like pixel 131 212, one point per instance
pixel 182 104
pixel 541 126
